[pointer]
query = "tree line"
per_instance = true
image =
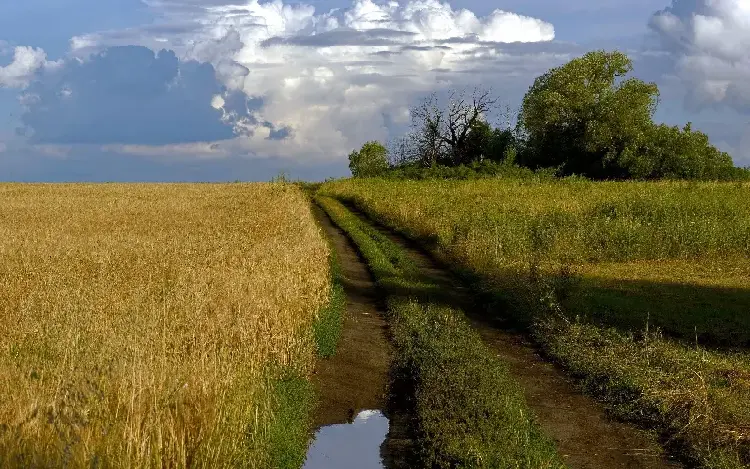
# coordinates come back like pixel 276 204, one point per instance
pixel 586 118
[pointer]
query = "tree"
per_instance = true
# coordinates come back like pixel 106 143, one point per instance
pixel 449 136
pixel 370 161
pixel 674 153
pixel 586 116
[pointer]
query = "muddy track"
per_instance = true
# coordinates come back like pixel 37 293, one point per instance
pixel 586 437
pixel 358 377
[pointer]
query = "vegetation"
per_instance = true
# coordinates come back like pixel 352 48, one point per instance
pixel 157 325
pixel 330 322
pixel 469 410
pixel 641 289
pixel 588 119
pixel 585 118
pixel 455 135
pixel 370 161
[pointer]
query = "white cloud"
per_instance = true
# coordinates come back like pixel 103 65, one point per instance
pixel 711 43
pixel 27 61
pixel 334 79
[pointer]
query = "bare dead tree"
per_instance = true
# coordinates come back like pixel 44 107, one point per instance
pixel 443 134
pixel 463 114
pixel 402 150
pixel 427 129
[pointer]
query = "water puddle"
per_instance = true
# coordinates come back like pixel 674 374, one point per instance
pixel 356 444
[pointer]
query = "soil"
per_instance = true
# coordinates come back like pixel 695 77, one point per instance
pixel 358 377
pixel 586 437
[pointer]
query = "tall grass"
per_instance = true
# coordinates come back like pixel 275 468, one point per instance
pixel 568 221
pixel 697 234
pixel 622 282
pixel 151 325
pixel 469 411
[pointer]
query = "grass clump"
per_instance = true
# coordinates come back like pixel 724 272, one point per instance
pixel 293 403
pixel 697 397
pixel 469 411
pixel 640 289
pixel 330 321
pixel 147 325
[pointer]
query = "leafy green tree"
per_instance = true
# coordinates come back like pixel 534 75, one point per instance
pixel 478 142
pixel 502 146
pixel 586 116
pixel 370 161
pixel 674 153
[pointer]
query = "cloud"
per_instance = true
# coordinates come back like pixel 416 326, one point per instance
pixel 710 43
pixel 129 95
pixel 322 83
pixel 27 61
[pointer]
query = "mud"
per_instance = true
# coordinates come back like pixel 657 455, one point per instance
pixel 586 437
pixel 359 376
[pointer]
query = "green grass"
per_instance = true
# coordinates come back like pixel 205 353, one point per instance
pixel 639 289
pixel 330 321
pixel 697 397
pixel 470 412
pixel 327 327
pixel 289 434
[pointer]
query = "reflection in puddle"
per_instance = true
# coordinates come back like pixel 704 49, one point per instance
pixel 350 445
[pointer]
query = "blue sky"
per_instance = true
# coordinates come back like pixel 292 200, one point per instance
pixel 217 90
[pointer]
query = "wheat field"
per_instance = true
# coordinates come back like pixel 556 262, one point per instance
pixel 144 325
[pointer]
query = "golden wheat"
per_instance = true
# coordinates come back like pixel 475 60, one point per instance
pixel 141 325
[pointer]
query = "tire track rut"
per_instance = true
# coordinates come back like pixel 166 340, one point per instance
pixel 585 435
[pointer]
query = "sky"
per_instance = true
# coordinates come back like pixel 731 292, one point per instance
pixel 221 90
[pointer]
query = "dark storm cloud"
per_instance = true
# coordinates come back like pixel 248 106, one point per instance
pixel 128 95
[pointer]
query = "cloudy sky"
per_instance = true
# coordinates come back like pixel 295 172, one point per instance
pixel 191 90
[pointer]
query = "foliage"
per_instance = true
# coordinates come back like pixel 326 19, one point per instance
pixel 624 283
pixel 146 325
pixel 371 160
pixel 585 116
pixel 456 134
pixel 470 412
pixel 674 153
pixel 475 170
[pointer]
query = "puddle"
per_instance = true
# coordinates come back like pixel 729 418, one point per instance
pixel 350 445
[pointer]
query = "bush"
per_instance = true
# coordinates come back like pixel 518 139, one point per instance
pixel 674 153
pixel 477 170
pixel 370 161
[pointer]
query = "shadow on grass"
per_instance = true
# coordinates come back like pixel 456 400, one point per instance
pixel 715 317
pixel 710 316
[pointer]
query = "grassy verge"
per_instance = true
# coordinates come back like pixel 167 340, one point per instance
pixel 633 287
pixel 327 326
pixel 470 412
pixel 289 434
pixel 294 397
pixel 696 397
